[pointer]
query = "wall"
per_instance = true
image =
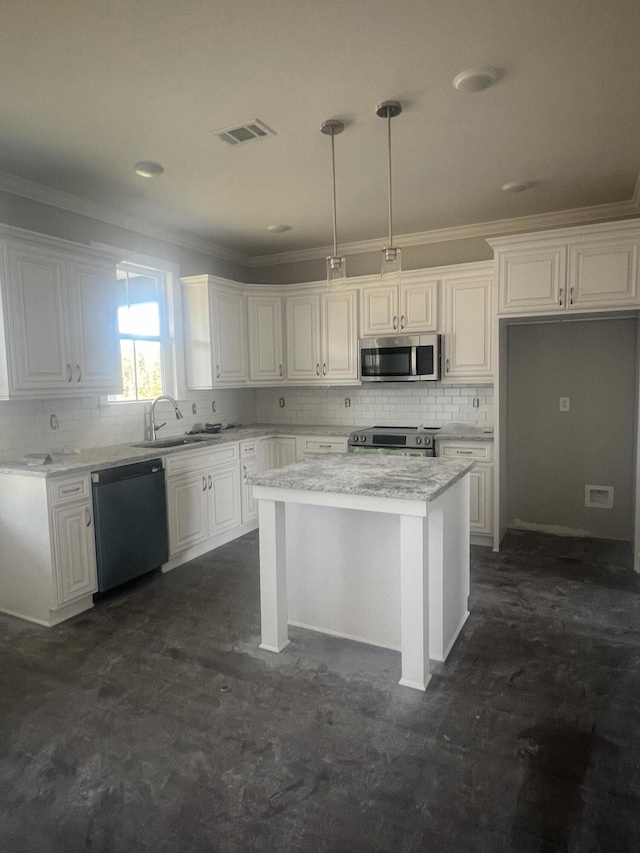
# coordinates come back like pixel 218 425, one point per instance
pixel 552 455
pixel 395 404
pixel 83 422
pixel 368 263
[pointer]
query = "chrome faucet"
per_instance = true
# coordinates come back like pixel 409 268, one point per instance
pixel 152 414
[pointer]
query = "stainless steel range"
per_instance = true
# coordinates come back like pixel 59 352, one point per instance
pixel 402 441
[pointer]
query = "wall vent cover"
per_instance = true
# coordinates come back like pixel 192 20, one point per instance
pixel 600 497
pixel 240 133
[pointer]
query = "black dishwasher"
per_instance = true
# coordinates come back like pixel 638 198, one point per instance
pixel 130 512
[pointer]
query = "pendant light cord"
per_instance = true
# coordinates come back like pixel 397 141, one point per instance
pixel 390 196
pixel 333 166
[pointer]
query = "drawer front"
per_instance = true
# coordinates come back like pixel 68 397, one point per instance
pixel 320 444
pixel 197 460
pixel 480 450
pixel 70 489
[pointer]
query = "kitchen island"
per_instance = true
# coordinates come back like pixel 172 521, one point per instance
pixel 374 549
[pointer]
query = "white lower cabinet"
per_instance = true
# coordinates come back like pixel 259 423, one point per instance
pixel 203 499
pixel 47 551
pixel 481 477
pixel 312 445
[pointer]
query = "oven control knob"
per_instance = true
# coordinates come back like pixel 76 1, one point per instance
pixel 355 439
pixel 363 438
pixel 418 440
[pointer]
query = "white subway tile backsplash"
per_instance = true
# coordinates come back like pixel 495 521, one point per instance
pixel 385 404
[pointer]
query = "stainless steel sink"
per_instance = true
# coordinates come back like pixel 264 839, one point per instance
pixel 177 441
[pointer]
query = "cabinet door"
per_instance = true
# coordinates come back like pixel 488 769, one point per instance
pixel 340 335
pixel 603 273
pixel 379 310
pixel 533 281
pixel 266 360
pixel 467 339
pixel 285 451
pixel 94 313
pixel 419 306
pixel 39 333
pixel 481 515
pixel 230 338
pixel 303 336
pixel 74 551
pixel 187 511
pixel 248 468
pixel 224 499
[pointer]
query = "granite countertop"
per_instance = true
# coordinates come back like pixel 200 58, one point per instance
pixel 98 458
pixel 398 477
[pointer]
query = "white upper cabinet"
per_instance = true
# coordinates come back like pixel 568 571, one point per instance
pixel 60 321
pixel 589 268
pixel 467 324
pixel 411 307
pixel 266 346
pixel 215 333
pixel 322 342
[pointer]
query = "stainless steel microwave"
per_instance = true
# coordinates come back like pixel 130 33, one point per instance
pixel 407 358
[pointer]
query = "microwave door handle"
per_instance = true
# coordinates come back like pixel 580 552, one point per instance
pixel 414 361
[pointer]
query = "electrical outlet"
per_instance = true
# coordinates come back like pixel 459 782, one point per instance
pixel 476 402
pixel 347 402
pixel 53 420
pixel 565 404
pixel 213 406
pixel 281 402
pixel 194 409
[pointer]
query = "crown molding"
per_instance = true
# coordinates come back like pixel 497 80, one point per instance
pixel 557 219
pixel 93 210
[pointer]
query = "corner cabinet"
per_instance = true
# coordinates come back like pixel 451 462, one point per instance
pixel 215 333
pixel 322 337
pixel 590 268
pixel 59 329
pixel 467 324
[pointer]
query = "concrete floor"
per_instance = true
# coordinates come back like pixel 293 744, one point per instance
pixel 154 723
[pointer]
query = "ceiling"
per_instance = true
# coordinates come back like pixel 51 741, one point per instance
pixel 89 88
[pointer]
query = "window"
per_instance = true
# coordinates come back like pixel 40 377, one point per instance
pixel 142 331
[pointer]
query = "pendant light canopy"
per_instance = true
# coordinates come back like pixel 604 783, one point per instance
pixel 391 267
pixel 336 266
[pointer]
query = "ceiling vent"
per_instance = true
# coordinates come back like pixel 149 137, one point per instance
pixel 244 132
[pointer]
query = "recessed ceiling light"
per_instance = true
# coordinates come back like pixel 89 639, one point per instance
pixel 517 186
pixel 475 80
pixel 148 169
pixel 278 229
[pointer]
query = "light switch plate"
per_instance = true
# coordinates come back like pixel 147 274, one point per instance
pixel 565 404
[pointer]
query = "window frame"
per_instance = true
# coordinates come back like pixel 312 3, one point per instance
pixel 172 365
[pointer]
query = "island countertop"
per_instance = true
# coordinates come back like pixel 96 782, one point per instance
pixel 397 477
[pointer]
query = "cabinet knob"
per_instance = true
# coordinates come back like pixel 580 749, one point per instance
pixel 402 322
pixel 560 297
pixel 217 371
pixel 317 370
pixel 87 515
pixel 244 472
pixel 204 484
pixel 210 481
pixel 447 365
pixel 324 369
pixel 79 372
pixel 280 370
pixel 570 296
pixel 395 322
pixel 69 373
